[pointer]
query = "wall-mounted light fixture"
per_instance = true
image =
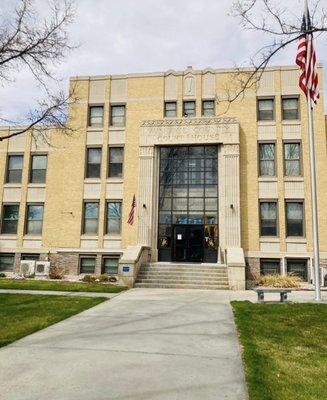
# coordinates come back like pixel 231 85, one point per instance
pixel 232 206
pixel 144 206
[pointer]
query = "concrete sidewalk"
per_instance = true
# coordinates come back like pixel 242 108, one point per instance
pixel 145 344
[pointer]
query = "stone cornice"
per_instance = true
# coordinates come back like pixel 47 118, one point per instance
pixel 189 121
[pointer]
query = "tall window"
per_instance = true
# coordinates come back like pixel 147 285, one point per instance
pixel 87 265
pixel 110 265
pixel 208 108
pixel 267 159
pixel 34 219
pixel 93 167
pixel 38 169
pixel 10 215
pixel 170 109
pixel 268 218
pixel 91 217
pixel 189 108
pixel 292 159
pixel 294 218
pixel 6 262
pixel 290 108
pixel 298 267
pixel 266 109
pixel 14 169
pixel 117 115
pixel 113 217
pixel 96 116
pixel 269 266
pixel 116 158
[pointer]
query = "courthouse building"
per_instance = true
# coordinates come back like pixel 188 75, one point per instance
pixel 218 186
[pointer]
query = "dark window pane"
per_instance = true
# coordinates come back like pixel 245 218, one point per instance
pixel 267 159
pixel 87 265
pixel 110 266
pixel 113 218
pixel 265 109
pixel 96 116
pixel 298 267
pixel 15 166
pixel 6 262
pixel 170 109
pixel 117 117
pixel 116 156
pixel 189 109
pixel 270 267
pixel 290 108
pixel 93 169
pixel 34 219
pixel 268 215
pixel 292 156
pixel 10 219
pixel 294 219
pixel 91 215
pixel 38 169
pixel 208 108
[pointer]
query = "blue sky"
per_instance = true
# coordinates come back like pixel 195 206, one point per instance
pixel 145 35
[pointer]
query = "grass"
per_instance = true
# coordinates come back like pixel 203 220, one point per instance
pixel 23 314
pixel 284 350
pixel 64 286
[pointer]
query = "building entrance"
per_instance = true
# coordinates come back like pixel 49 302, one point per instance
pixel 188 243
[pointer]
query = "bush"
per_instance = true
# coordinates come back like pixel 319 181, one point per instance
pixel 2 275
pixel 56 272
pixel 88 278
pixel 279 281
pixel 103 278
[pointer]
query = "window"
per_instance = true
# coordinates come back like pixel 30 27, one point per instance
pixel 10 218
pixel 170 109
pixel 6 262
pixel 31 257
pixel 292 159
pixel 266 110
pixel 298 267
pixel 117 115
pixel 208 108
pixel 93 166
pixel 14 169
pixel 110 265
pixel 116 157
pixel 113 218
pixel 294 218
pixel 189 109
pixel 290 108
pixel 91 216
pixel 269 267
pixel 268 218
pixel 34 219
pixel 96 116
pixel 38 169
pixel 267 159
pixel 87 265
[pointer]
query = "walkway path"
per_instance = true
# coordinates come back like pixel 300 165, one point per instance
pixel 145 344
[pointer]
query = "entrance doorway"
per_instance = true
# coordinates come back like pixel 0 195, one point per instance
pixel 188 243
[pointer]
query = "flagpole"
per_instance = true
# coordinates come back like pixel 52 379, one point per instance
pixel 313 181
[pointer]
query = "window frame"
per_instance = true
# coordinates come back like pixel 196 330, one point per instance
pixel 2 217
pixel 262 260
pixel 165 110
pixel 292 259
pixel 262 142
pixel 85 201
pixel 26 219
pixel 189 101
pixel 89 115
pixel 13 265
pixel 273 98
pixel 300 160
pixel 108 162
pixel 107 218
pixel 81 256
pixel 86 161
pixel 7 168
pixel 110 256
pixel 214 108
pixel 303 218
pixel 287 97
pixel 31 168
pixel 277 218
pixel 110 115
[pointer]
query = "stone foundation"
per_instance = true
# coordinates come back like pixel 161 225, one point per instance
pixel 252 271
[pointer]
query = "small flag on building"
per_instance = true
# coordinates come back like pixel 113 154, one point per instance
pixel 306 59
pixel 130 220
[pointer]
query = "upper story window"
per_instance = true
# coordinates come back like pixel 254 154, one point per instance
pixel 208 108
pixel 290 108
pixel 14 169
pixel 91 217
pixel 110 265
pixel 93 164
pixel 116 158
pixel 117 115
pixel 6 262
pixel 268 218
pixel 267 159
pixel 266 109
pixel 189 108
pixel 292 159
pixel 10 215
pixel 113 218
pixel 38 169
pixel 34 219
pixel 96 116
pixel 294 218
pixel 170 109
pixel 270 266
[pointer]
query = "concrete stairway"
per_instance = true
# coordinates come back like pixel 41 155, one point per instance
pixel 182 276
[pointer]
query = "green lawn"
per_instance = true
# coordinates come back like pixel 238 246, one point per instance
pixel 32 284
pixel 23 314
pixel 284 350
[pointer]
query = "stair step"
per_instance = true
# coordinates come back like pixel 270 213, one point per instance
pixel 182 286
pixel 187 273
pixel 181 280
pixel 180 270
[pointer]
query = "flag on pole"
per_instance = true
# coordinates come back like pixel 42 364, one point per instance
pixel 130 220
pixel 306 59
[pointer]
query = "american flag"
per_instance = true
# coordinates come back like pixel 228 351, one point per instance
pixel 132 212
pixel 306 60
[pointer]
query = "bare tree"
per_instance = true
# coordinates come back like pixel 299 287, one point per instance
pixel 280 26
pixel 40 45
